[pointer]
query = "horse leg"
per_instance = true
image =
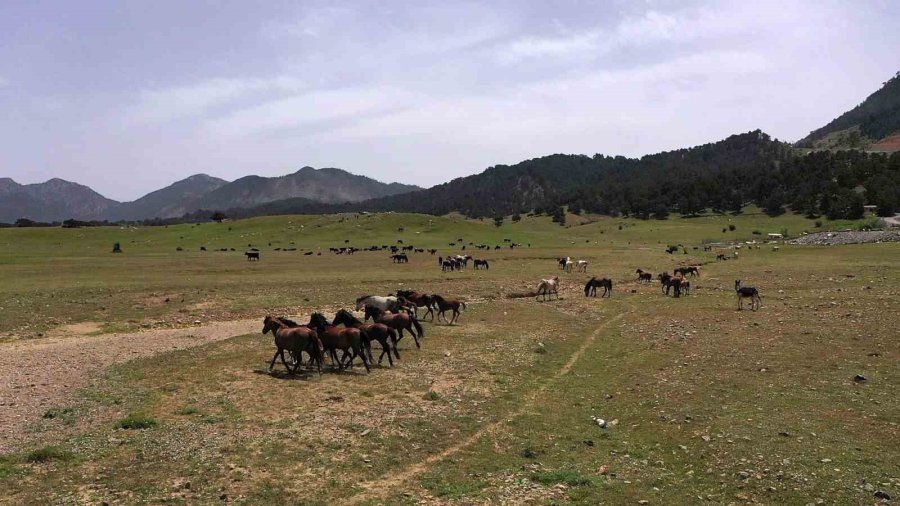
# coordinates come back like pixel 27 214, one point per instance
pixel 455 315
pixel 274 358
pixel 415 336
pixel 283 361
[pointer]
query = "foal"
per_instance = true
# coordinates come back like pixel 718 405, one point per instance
pixel 443 305
pixel 746 292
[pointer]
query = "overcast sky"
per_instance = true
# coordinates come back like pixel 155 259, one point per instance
pixel 128 96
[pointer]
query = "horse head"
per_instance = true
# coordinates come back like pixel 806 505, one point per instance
pixel 269 324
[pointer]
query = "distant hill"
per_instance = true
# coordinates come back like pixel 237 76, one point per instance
pixel 174 200
pixel 872 125
pixel 53 200
pixel 58 200
pixel 329 186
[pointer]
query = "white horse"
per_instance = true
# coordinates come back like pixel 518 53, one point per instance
pixel 582 266
pixel 548 287
pixel 390 303
pixel 569 266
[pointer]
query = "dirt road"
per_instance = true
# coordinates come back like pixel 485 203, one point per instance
pixel 39 374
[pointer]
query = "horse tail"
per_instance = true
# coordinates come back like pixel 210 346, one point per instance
pixel 463 304
pixel 419 329
pixel 587 288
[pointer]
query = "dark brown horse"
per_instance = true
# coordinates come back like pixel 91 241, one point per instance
pixel 643 276
pixel 685 271
pixel 443 305
pixel 398 322
pixel 348 340
pixel 590 289
pixel 373 331
pixel 419 299
pixel 296 340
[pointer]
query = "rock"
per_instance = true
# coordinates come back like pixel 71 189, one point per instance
pixel 881 494
pixel 868 487
pixel 743 475
pixel 859 378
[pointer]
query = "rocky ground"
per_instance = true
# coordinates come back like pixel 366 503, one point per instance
pixel 848 237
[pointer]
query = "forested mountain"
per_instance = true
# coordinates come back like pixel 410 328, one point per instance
pixel 174 200
pixel 722 176
pixel 874 124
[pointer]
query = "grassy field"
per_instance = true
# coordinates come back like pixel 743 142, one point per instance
pixel 704 404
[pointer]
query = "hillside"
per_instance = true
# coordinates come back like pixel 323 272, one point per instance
pixel 174 200
pixel 865 126
pixel 52 200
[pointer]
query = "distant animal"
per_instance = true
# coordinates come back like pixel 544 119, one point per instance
pixel 670 282
pixel 400 258
pixel 746 292
pixel 643 276
pixel 349 340
pixel 590 289
pixel 380 332
pixel 582 266
pixel 443 305
pixel 548 287
pixel 398 322
pixel 252 255
pixel 569 266
pixel 721 256
pixel 482 264
pixel 684 271
pixel 294 339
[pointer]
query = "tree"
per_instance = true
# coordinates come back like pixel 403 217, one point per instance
pixel 559 216
pixel 660 211
pixel 516 217
pixel 773 205
pixel 498 221
pixel 218 216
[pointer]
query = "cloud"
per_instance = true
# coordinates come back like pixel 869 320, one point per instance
pixel 4 81
pixel 176 102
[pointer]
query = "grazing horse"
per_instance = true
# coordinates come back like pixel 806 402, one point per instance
pixel 569 266
pixel 643 276
pixel 373 331
pixel 721 256
pixel 444 304
pixel 400 258
pixel 348 340
pixel 482 264
pixel 684 271
pixel 582 266
pixel 590 289
pixel 548 287
pixel 389 303
pixel 746 292
pixel 296 340
pixel 252 255
pixel 419 300
pixel 668 282
pixel 398 322
pixel 562 262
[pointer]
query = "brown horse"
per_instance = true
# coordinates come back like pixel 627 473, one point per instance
pixel 295 340
pixel 443 305
pixel 350 341
pixel 373 331
pixel 398 322
pixel 419 299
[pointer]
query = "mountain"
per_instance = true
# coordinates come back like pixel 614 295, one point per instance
pixel 174 200
pixel 330 186
pixel 873 125
pixel 52 200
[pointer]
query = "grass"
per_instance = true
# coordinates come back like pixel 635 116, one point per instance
pixel 697 395
pixel 48 454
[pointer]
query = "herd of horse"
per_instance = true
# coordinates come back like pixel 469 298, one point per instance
pixel 391 316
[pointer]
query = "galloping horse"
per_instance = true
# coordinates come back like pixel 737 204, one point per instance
pixel 377 331
pixel 419 299
pixel 548 287
pixel 746 292
pixel 643 276
pixel 348 340
pixel 295 340
pixel 590 289
pixel 398 322
pixel 389 303
pixel 444 304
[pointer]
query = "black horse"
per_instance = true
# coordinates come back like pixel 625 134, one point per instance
pixel 643 276
pixel 746 292
pixel 482 264
pixel 590 289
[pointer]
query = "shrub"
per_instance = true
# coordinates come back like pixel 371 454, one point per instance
pixel 818 223
pixel 431 395
pixel 48 454
pixel 137 421
pixel 732 228
pixel 756 232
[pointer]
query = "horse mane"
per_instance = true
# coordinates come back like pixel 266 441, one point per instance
pixel 289 323
pixel 437 298
pixel 364 297
pixel 353 319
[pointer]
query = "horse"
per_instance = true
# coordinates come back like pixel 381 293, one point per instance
pixel 668 282
pixel 348 340
pixel 377 331
pixel 590 289
pixel 400 258
pixel 295 340
pixel 419 299
pixel 582 266
pixel 746 292
pixel 389 303
pixel 562 262
pixel 252 255
pixel 398 322
pixel 569 266
pixel 548 287
pixel 482 263
pixel 643 276
pixel 444 304
pixel 684 271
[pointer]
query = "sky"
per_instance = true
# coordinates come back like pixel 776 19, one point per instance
pixel 128 96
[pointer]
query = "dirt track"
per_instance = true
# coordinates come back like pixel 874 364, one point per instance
pixel 39 374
